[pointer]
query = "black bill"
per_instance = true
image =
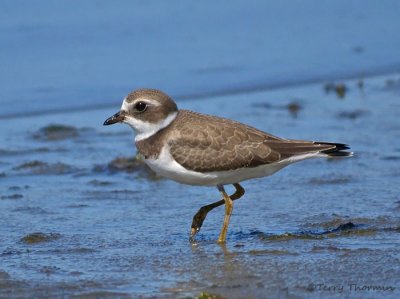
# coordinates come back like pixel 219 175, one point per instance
pixel 116 118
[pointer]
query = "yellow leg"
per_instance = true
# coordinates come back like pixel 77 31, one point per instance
pixel 228 213
pixel 201 214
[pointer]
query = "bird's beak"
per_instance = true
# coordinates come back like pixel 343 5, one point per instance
pixel 116 118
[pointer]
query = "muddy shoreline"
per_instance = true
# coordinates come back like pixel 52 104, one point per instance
pixel 81 216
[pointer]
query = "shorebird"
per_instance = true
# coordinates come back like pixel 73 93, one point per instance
pixel 199 149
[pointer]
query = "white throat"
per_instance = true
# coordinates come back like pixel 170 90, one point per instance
pixel 146 129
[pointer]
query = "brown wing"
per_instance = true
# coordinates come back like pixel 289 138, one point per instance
pixel 208 143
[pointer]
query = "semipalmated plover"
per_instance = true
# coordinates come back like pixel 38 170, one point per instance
pixel 199 149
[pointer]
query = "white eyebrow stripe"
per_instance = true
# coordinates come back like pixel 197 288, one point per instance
pixel 152 102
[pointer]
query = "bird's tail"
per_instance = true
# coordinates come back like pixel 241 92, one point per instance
pixel 335 149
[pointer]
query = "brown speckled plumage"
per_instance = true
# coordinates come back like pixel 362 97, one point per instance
pixel 207 143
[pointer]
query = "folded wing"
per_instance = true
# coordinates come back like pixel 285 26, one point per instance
pixel 218 144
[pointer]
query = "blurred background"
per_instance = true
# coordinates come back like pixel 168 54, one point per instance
pixel 81 216
pixel 65 55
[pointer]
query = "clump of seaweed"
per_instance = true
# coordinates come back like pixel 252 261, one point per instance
pixel 354 114
pixel 127 164
pixel 293 107
pixel 99 183
pixel 340 89
pixel 12 196
pixel 134 164
pixel 343 229
pixel 39 237
pixel 206 295
pixel 39 167
pixel 55 132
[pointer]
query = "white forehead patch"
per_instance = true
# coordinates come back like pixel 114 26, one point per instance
pixel 124 106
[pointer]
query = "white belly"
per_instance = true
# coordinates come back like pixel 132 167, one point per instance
pixel 167 167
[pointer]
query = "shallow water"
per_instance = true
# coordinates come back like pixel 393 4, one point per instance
pixel 80 216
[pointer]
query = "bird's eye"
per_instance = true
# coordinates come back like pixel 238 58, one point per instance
pixel 140 106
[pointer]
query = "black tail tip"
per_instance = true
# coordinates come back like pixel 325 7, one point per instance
pixel 337 150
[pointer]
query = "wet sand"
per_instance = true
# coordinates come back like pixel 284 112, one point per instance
pixel 82 217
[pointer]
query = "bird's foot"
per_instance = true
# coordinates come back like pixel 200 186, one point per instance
pixel 192 234
pixel 197 222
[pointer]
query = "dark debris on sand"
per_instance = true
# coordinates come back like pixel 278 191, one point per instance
pixel 343 229
pixel 293 107
pixel 340 89
pixel 129 165
pixel 354 114
pixel 55 132
pixel 99 183
pixel 39 167
pixel 12 196
pixel 39 237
